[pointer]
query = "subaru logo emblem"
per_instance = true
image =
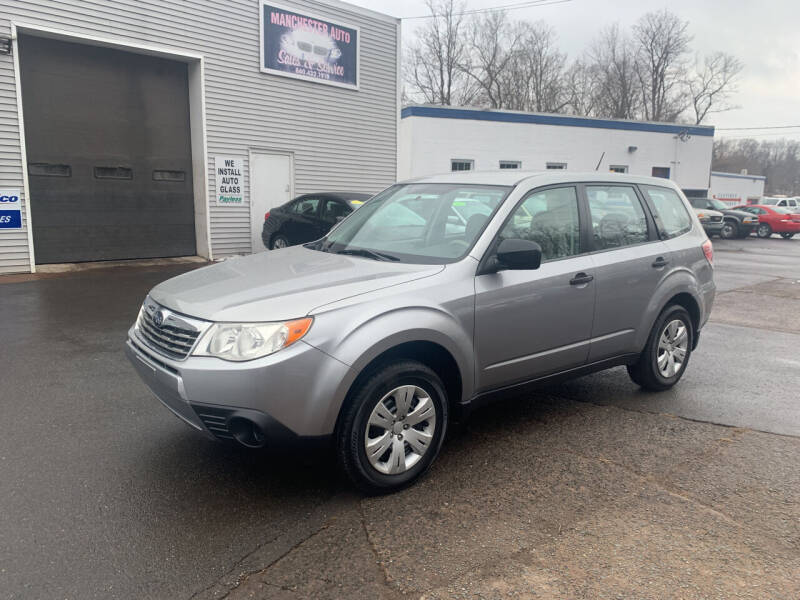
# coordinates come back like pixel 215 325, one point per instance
pixel 158 318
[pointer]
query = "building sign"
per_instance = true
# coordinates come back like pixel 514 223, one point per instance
pixel 305 47
pixel 230 182
pixel 10 209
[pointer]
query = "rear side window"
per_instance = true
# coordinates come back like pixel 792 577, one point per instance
pixel 670 212
pixel 618 218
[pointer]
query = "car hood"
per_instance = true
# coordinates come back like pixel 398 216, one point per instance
pixel 279 285
pixel 742 214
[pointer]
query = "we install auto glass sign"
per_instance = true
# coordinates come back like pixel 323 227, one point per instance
pixel 307 47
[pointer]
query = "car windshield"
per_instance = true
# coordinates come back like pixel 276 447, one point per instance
pixel 427 223
pixel 717 204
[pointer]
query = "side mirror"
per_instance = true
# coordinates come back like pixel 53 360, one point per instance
pixel 518 255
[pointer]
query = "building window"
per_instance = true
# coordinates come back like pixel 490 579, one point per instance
pixel 113 173
pixel 662 172
pixel 461 164
pixel 49 170
pixel 618 168
pixel 555 165
pixel 510 164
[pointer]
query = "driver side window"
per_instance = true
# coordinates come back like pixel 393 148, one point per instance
pixel 549 218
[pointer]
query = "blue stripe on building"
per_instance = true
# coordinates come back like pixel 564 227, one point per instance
pixel 444 112
pixel 737 175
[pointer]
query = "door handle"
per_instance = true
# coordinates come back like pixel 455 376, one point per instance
pixel 660 262
pixel 581 279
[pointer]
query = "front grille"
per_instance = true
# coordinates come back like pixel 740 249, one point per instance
pixel 174 338
pixel 716 219
pixel 215 420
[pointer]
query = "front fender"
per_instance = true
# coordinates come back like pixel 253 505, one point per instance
pixel 360 343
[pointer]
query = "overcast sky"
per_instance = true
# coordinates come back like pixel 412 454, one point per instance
pixel 764 35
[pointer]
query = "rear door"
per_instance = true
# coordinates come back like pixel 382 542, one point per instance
pixel 630 262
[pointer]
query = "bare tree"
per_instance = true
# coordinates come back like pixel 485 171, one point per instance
pixel 537 70
pixel 580 89
pixel 778 160
pixel 433 61
pixel 611 61
pixel 713 84
pixel 662 42
pixel 493 45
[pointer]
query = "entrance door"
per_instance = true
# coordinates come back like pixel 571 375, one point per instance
pixel 109 152
pixel 270 186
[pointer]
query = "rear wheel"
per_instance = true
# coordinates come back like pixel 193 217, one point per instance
pixel 764 230
pixel 393 427
pixel 279 241
pixel 787 236
pixel 729 231
pixel 666 355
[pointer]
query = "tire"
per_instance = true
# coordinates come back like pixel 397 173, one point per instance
pixel 278 241
pixel 374 475
pixel 764 231
pixel 787 236
pixel 647 372
pixel 729 231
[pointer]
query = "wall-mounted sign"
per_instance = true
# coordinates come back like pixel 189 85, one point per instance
pixel 230 180
pixel 306 47
pixel 10 209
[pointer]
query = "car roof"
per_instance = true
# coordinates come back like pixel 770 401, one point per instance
pixel 336 195
pixel 512 177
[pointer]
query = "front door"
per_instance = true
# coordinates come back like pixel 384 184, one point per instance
pixel 529 324
pixel 270 186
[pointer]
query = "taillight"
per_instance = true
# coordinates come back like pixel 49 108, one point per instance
pixel 266 215
pixel 708 250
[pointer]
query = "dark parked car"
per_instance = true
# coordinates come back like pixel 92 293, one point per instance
pixel 738 223
pixel 308 217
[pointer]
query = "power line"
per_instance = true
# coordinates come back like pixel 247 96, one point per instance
pixel 754 128
pixel 475 11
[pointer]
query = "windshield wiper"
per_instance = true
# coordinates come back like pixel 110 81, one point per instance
pixel 367 254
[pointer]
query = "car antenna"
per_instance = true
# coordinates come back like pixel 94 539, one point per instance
pixel 597 168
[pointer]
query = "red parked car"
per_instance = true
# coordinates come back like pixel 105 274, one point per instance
pixel 774 219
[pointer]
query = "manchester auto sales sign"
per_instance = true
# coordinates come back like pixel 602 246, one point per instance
pixel 307 47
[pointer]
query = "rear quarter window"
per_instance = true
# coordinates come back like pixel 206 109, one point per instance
pixel 670 212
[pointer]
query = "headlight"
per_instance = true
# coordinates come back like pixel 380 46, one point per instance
pixel 246 341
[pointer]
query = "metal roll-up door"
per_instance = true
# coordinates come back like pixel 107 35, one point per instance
pixel 108 151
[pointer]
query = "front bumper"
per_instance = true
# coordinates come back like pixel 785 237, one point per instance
pixel 712 227
pixel 293 393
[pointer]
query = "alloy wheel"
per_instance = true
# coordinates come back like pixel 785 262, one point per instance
pixel 400 430
pixel 279 243
pixel 673 346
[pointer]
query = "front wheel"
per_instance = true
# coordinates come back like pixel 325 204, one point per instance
pixel 787 236
pixel 666 355
pixel 392 427
pixel 764 230
pixel 729 231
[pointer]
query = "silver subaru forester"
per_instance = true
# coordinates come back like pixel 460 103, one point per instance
pixel 435 296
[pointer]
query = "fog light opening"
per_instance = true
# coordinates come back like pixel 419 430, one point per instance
pixel 247 433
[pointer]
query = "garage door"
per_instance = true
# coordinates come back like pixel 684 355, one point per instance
pixel 109 154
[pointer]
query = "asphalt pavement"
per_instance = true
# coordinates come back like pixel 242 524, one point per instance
pixel 590 489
